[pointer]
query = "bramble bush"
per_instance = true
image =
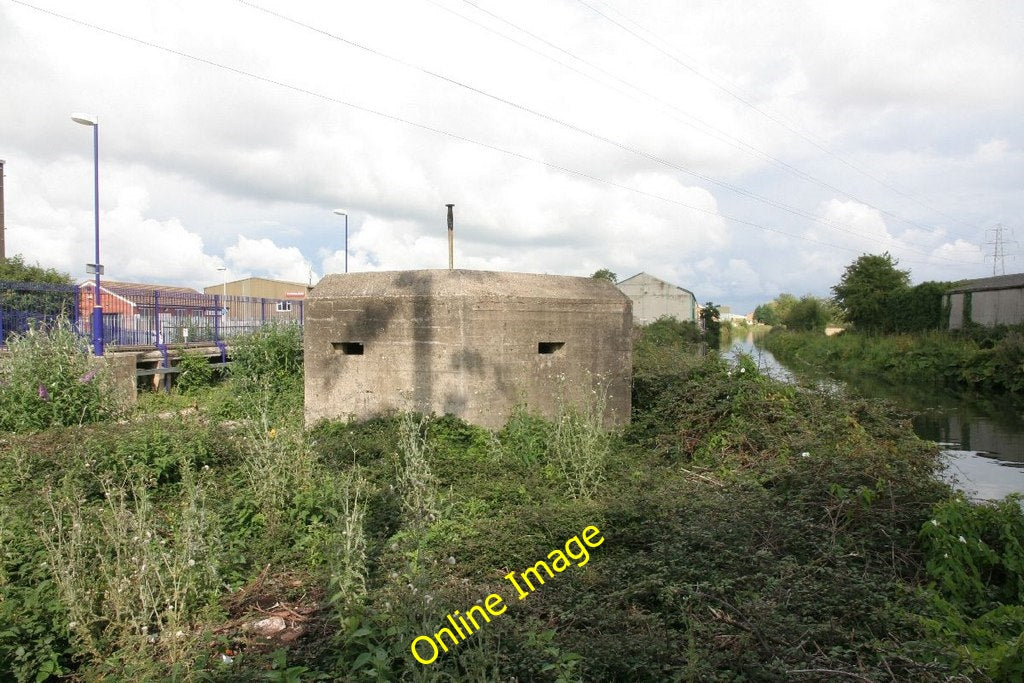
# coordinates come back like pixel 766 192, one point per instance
pixel 974 559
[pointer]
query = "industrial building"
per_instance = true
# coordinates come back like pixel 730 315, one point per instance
pixel 261 288
pixel 470 343
pixel 654 298
pixel 988 301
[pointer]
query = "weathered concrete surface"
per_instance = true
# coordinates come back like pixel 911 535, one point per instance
pixel 469 343
pixel 121 370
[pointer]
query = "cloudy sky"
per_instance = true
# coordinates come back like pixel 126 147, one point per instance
pixel 739 149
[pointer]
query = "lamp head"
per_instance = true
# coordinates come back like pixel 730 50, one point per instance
pixel 340 212
pixel 85 119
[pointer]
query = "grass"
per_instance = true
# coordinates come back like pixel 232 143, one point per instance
pixel 753 531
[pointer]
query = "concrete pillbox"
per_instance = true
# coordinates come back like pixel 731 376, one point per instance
pixel 469 343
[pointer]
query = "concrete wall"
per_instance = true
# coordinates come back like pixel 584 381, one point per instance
pixel 469 343
pixel 121 369
pixel 653 298
pixel 956 310
pixel 998 307
pixel 988 307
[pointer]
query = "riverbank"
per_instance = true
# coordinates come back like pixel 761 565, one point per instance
pixel 751 530
pixel 993 364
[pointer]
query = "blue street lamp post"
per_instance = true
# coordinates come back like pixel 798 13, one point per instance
pixel 340 212
pixel 97 310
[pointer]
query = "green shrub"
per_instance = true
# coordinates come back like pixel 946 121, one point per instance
pixel 272 354
pixel 266 372
pixel 974 559
pixel 196 373
pixel 808 314
pixel 524 438
pixel 47 379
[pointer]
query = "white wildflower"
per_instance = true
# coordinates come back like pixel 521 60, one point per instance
pixel 963 540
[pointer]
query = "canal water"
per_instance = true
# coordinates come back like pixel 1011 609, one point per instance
pixel 983 441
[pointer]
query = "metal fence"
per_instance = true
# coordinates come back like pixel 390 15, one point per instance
pixel 142 317
pixel 24 305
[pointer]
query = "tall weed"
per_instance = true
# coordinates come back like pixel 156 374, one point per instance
pixel 348 564
pixel 277 466
pixel 196 373
pixel 416 482
pixel 133 578
pixel 580 446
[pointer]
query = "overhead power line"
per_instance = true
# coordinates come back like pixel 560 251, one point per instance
pixel 687 119
pixel 425 127
pixel 835 225
pixel 746 101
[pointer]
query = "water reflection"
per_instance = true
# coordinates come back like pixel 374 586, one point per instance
pixel 983 439
pixel 744 342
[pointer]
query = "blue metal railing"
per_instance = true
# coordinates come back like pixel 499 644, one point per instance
pixel 143 317
pixel 27 304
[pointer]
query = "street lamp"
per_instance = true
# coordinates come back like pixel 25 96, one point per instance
pixel 340 212
pixel 97 310
pixel 224 290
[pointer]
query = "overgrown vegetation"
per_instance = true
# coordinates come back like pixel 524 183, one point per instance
pixel 753 531
pixel 875 296
pixel 806 313
pixel 991 360
pixel 47 379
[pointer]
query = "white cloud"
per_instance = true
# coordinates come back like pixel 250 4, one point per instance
pixel 201 167
pixel 263 258
pixel 959 250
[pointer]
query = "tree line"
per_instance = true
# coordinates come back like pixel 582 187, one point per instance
pixel 873 295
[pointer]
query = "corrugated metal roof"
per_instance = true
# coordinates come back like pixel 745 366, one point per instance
pixel 1013 281
pixel 142 286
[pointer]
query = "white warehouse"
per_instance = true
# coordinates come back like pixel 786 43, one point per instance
pixel 654 298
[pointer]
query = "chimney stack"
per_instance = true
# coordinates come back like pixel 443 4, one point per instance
pixel 451 232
